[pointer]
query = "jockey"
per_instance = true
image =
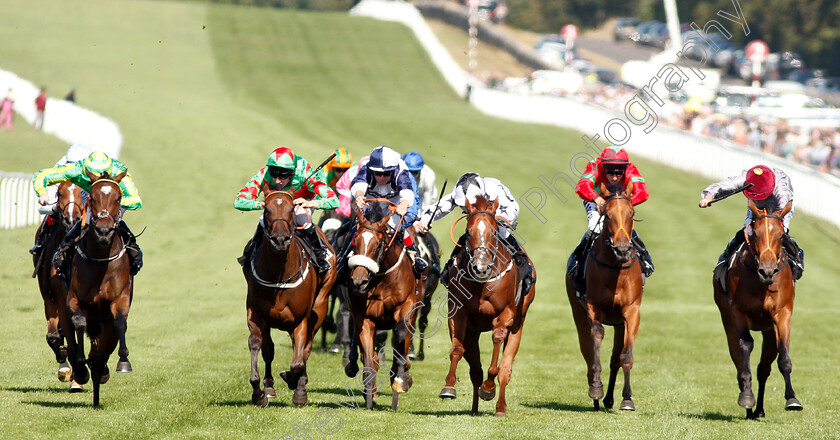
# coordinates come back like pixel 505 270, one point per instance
pixel 385 175
pixel 612 167
pixel 425 177
pixel 468 187
pixel 75 153
pixel 95 163
pixel 342 162
pixel 286 171
pixel 771 190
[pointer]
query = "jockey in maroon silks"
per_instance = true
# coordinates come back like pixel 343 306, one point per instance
pixel 614 169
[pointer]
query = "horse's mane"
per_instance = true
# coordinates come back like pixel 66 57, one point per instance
pixel 376 211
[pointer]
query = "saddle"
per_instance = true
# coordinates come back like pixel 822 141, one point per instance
pixel 722 269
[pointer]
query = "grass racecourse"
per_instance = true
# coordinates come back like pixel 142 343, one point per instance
pixel 203 93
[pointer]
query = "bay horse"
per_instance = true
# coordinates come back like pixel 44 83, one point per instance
pixel 286 293
pixel 430 283
pixel 384 295
pixel 101 286
pixel 614 285
pixel 69 211
pixel 759 296
pixel 484 296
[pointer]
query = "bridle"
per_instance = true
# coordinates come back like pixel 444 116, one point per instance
pixel 267 229
pixel 610 239
pixel 782 256
pixel 101 215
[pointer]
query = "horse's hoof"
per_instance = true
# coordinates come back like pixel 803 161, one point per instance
pixel 793 405
pixel 486 395
pixel 104 379
pixel 421 356
pixel 75 387
pixel 261 401
pixel 64 372
pixel 299 398
pixel 81 375
pixel 608 402
pixel 596 392
pixel 627 405
pixel 351 369
pixel 501 414
pixel 124 366
pixel 448 393
pixel 746 400
pixel 286 378
pixel 270 393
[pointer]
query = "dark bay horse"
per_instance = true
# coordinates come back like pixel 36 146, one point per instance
pixel 384 292
pixel 101 286
pixel 759 297
pixel 286 293
pixel 614 285
pixel 430 282
pixel 483 296
pixel 69 209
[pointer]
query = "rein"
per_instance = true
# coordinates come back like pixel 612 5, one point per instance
pixel 781 257
pixel 282 284
pixel 100 260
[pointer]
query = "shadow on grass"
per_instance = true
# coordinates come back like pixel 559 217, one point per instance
pixel 449 413
pixel 55 389
pixel 557 406
pixel 715 416
pixel 66 405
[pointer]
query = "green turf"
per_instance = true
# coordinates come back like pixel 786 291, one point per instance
pixel 203 93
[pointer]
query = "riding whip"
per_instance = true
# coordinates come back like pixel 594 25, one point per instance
pixel 442 190
pixel 717 199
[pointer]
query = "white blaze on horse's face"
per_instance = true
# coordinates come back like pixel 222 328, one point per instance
pixel 481 228
pixel 106 190
pixel 367 237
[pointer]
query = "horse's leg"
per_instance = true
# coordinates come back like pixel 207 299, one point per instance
pixel 423 323
pixel 100 352
pixel 631 324
pixel 785 366
pixel 472 354
pixel 458 325
pixel 80 371
pixel 732 335
pixel 583 326
pixel 255 342
pixel 769 350
pixel 296 377
pixel 487 391
pixel 351 369
pixel 401 380
pixel 615 364
pixel 745 342
pixel 267 349
pixel 596 388
pixel 54 336
pixel 511 347
pixel 366 339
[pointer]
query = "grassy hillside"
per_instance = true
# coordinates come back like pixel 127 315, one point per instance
pixel 203 93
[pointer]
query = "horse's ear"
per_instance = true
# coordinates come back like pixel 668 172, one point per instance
pixel 91 176
pixel 628 191
pixel 753 208
pixel 786 209
pixel 467 204
pixel 495 205
pixel 119 176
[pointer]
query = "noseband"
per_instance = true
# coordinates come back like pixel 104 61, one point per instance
pixel 781 257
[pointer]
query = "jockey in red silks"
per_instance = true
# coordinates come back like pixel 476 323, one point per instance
pixel 286 171
pixel 614 169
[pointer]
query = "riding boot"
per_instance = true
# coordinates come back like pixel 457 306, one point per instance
pixel 647 262
pixel 522 264
pixel 575 264
pixel 252 243
pixel 732 246
pixel 795 254
pixel 41 239
pixel 321 263
pixel 444 273
pixel 417 262
pixel 135 255
pixel 64 254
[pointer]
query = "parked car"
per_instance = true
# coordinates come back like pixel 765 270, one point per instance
pixel 653 33
pixel 642 29
pixel 624 28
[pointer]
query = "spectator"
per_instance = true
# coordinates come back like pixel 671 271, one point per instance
pixel 6 112
pixel 71 95
pixel 40 106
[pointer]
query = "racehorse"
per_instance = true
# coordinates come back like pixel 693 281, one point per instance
pixel 430 283
pixel 758 296
pixel 101 286
pixel 69 209
pixel 484 296
pixel 614 285
pixel 384 292
pixel 286 293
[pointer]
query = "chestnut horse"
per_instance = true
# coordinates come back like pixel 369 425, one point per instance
pixel 101 287
pixel 286 293
pixel 484 296
pixel 614 285
pixel 759 297
pixel 69 210
pixel 384 292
